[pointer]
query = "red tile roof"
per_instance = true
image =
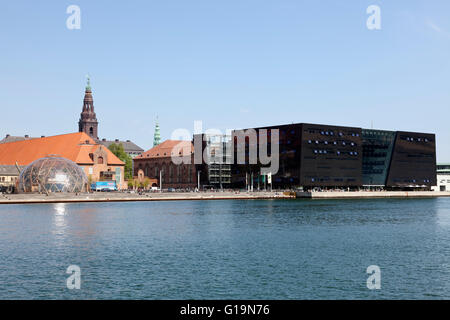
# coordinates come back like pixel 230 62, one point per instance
pixel 73 146
pixel 167 149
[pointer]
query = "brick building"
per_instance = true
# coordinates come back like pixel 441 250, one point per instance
pixel 97 161
pixel 157 163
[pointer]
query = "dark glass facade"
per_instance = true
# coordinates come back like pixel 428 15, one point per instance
pixel 331 156
pixel 289 148
pixel 413 161
pixel 313 155
pixel 377 154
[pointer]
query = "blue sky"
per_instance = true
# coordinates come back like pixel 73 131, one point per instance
pixel 232 64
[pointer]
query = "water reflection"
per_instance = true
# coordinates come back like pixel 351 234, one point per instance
pixel 59 219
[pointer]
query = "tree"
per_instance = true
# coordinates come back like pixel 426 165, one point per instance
pixel 146 183
pixel 120 153
pixel 130 184
pixel 135 183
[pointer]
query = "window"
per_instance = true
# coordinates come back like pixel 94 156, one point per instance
pixel 100 160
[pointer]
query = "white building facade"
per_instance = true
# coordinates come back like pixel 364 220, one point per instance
pixel 443 177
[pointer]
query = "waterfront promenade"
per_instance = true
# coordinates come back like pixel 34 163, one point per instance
pixel 227 195
pixel 123 197
pixel 371 194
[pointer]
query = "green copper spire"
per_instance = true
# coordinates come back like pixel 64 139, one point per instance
pixel 88 86
pixel 156 136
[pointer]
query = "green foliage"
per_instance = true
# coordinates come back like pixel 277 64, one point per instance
pixel 120 153
pixel 130 184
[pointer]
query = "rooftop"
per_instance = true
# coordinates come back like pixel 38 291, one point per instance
pixel 168 148
pixel 9 170
pixel 128 146
pixel 73 146
pixel 9 138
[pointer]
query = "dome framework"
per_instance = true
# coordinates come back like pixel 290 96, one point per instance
pixel 52 174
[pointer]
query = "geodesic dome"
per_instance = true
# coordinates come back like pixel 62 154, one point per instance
pixel 52 174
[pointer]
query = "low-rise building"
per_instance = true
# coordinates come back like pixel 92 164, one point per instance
pixel 443 177
pixel 130 148
pixel 10 138
pixel 9 174
pixel 97 161
pixel 157 163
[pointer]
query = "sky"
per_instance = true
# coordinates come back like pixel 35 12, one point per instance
pixel 230 64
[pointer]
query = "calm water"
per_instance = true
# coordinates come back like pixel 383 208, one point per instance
pixel 285 249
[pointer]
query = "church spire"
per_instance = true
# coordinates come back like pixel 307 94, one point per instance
pixel 88 85
pixel 156 136
pixel 88 120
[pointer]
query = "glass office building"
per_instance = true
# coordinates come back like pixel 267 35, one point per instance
pixel 377 154
pixel 325 156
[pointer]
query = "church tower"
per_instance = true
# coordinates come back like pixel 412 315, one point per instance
pixel 156 136
pixel 88 120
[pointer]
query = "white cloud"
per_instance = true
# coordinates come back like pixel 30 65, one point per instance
pixel 434 26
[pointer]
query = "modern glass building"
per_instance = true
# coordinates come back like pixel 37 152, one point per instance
pixel 377 155
pixel 310 155
pixel 52 174
pixel 326 156
pixel 216 171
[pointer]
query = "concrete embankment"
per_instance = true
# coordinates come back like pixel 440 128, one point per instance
pixel 177 196
pixel 123 197
pixel 370 194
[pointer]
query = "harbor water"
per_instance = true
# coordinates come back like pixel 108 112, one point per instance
pixel 227 249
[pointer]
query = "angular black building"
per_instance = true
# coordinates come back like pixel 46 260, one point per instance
pixel 326 156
